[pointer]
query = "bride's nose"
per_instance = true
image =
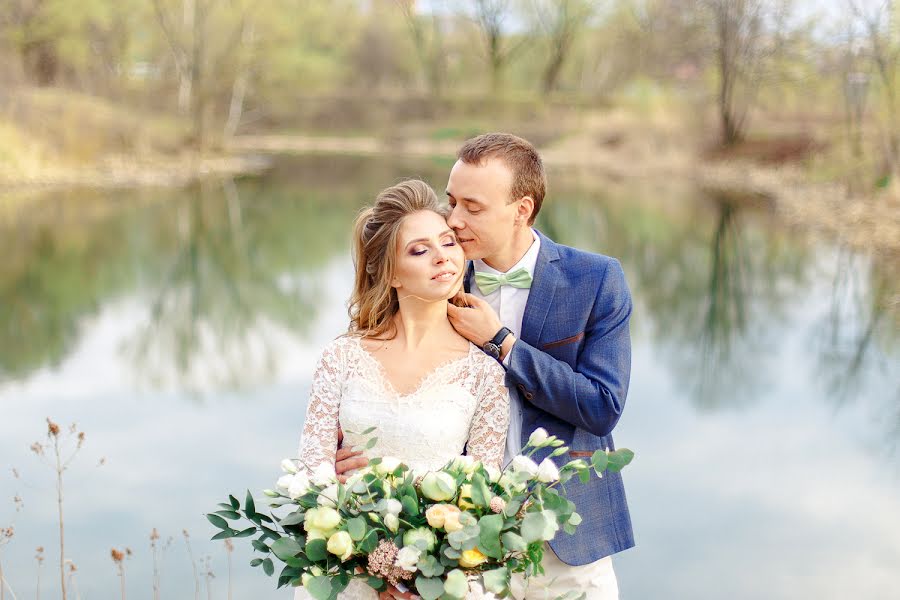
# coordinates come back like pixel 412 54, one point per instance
pixel 440 256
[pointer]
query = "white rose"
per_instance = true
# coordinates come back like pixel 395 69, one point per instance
pixel 288 466
pixel 438 486
pixel 547 471
pixel 523 464
pixel 323 474
pixel 493 473
pixel 408 558
pixel 328 496
pixel 392 522
pixel 298 486
pixel 387 465
pixel 537 437
pixel 284 482
pixel 466 464
pixel 393 507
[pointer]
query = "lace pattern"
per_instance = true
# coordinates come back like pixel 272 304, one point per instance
pixel 460 406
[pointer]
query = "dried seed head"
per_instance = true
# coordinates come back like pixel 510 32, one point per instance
pixel 52 428
pixel 154 535
pixel 117 555
pixel 80 439
pixel 15 473
pixel 229 547
pixel 37 448
pixel 128 551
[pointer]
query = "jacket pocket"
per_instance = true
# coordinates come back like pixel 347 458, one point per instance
pixel 563 342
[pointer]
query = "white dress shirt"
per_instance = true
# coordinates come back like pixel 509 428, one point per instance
pixel 509 304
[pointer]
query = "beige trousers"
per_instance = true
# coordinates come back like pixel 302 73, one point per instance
pixel 597 580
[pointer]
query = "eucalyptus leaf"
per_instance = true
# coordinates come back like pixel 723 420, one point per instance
pixel 218 521
pixel 410 505
pixel 228 514
pixel 429 588
pixel 481 495
pixel 256 562
pixel 496 581
pixel 224 535
pixel 430 567
pixel 268 566
pixel 260 546
pixel 371 443
pixel 619 459
pixel 599 460
pixel 316 550
pixel 539 526
pixel 356 527
pixel 319 587
pixel 286 547
pixel 245 532
pixel 456 585
pixel 249 505
pixel 234 502
pixel 369 430
pixel 489 535
pixel 294 518
pixel 513 542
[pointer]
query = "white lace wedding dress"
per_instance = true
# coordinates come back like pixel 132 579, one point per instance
pixel 460 405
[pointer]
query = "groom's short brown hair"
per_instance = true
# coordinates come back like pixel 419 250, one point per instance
pixel 528 177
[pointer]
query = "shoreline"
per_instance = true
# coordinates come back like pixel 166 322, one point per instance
pixel 870 224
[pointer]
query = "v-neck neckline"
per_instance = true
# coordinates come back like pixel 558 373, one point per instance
pixel 388 385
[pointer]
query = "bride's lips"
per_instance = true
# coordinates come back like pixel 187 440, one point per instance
pixel 444 276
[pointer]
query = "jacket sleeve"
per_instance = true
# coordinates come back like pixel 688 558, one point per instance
pixel 590 395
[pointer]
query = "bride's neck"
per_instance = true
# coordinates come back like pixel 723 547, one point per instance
pixel 421 323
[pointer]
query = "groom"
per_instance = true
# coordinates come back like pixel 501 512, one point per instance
pixel 557 320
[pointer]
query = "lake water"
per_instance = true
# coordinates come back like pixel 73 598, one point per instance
pixel 179 329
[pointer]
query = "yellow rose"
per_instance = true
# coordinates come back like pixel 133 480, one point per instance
pixel 451 520
pixel 471 558
pixel 438 516
pixel 340 544
pixel 465 496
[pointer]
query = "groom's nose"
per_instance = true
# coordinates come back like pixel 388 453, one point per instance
pixel 453 219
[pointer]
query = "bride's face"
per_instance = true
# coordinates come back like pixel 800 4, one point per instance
pixel 430 262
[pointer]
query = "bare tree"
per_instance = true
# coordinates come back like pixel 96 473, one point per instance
pixel 747 35
pixel 561 22
pixel 492 17
pixel 429 43
pixel 879 23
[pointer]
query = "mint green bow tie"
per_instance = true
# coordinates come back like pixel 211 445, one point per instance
pixel 488 283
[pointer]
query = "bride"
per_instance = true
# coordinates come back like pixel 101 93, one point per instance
pixel 402 368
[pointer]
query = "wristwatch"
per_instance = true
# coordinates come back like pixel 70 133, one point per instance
pixel 492 347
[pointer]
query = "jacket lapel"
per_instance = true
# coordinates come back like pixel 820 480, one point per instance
pixel 543 288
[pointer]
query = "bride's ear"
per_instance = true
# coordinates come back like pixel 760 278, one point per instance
pixel 395 283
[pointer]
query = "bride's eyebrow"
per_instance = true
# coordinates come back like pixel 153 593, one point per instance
pixel 425 240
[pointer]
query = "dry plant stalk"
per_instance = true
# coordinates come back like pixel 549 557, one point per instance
pixel 6 534
pixel 39 557
pixel 187 542
pixel 118 558
pixel 229 548
pixel 59 465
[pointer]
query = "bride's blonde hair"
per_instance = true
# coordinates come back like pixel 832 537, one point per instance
pixel 374 301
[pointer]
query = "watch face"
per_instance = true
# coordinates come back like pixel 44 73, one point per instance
pixel 491 349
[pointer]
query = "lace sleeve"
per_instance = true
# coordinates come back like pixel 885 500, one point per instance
pixel 318 443
pixel 487 433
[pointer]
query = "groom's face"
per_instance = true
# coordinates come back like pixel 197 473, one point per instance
pixel 481 213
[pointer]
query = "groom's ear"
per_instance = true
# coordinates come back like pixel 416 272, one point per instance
pixel 525 209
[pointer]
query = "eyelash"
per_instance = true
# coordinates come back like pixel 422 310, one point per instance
pixel 449 245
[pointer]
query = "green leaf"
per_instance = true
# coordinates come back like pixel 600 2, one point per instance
pixel 228 514
pixel 294 518
pixel 319 587
pixel 286 548
pixel 371 443
pixel 249 505
pixel 513 542
pixel 539 526
pixel 574 519
pixel 369 542
pixel 225 506
pixel 356 527
pixel 218 521
pixel 496 580
pixel 619 459
pixel 234 502
pixel 429 588
pixel 599 460
pixel 316 550
pixel 268 567
pixel 481 495
pixel 584 476
pixel 456 585
pixel 410 505
pixel 245 532
pixel 451 552
pixel 256 562
pixel 489 535
pixel 224 535
pixel 369 430
pixel 512 507
pixel 376 583
pixel 260 546
pixel 430 567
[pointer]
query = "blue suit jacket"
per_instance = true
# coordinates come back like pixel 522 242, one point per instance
pixel 571 367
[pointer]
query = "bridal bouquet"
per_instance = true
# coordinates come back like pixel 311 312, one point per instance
pixel 436 532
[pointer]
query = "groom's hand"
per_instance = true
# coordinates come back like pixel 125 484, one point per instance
pixel 477 322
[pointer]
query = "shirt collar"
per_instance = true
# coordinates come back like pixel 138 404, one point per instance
pixel 527 262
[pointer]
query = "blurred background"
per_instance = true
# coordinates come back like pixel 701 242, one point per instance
pixel 178 180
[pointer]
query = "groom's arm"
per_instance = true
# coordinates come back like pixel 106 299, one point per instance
pixel 589 394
